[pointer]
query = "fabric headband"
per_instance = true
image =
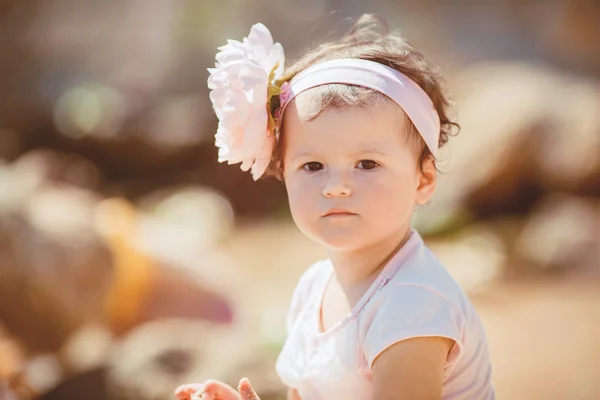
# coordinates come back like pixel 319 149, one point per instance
pixel 369 74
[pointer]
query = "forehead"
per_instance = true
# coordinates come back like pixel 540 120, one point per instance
pixel 308 125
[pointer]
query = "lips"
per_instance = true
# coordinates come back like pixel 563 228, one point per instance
pixel 338 212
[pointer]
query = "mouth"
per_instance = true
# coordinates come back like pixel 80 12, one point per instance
pixel 338 212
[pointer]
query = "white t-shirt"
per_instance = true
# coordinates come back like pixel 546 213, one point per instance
pixel 413 296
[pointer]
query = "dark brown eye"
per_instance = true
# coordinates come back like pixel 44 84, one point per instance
pixel 312 166
pixel 367 164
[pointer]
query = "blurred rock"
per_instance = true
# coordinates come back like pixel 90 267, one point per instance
pixel 562 234
pixel 568 155
pixel 497 114
pixel 43 372
pixel 57 277
pixel 72 259
pixel 12 357
pixel 168 353
pixel 171 352
pixel 10 144
pixel 41 321
pixel 143 288
pixel 175 295
pixel 44 165
pixel 178 224
pixel 526 130
pixel 88 385
pixel 6 393
pixel 475 257
pixel 50 258
pixel 86 349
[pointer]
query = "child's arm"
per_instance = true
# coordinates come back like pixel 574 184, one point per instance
pixel 411 369
pixel 293 394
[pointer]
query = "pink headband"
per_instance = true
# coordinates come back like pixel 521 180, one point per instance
pixel 406 93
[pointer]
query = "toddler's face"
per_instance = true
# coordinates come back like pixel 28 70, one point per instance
pixel 352 178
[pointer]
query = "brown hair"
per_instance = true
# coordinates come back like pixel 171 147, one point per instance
pixel 370 39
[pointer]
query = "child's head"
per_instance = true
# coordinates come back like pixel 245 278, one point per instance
pixel 353 159
pixel 348 147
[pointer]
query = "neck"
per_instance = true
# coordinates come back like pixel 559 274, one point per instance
pixel 361 267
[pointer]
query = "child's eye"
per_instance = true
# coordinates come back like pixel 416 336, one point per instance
pixel 312 166
pixel 367 164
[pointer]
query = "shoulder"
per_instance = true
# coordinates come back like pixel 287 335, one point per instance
pixel 420 300
pixel 423 275
pixel 418 267
pixel 422 285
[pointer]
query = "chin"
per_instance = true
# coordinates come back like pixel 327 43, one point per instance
pixel 345 241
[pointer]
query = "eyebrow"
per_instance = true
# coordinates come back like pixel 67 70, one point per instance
pixel 371 150
pixel 365 150
pixel 303 154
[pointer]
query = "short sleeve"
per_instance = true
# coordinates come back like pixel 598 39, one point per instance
pixel 401 312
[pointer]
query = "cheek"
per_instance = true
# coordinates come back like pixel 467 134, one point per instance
pixel 392 194
pixel 300 193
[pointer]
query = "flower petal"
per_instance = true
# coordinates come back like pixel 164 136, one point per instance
pixel 259 42
pixel 252 78
pixel 231 55
pixel 277 55
pixel 263 158
pixel 256 130
pixel 218 98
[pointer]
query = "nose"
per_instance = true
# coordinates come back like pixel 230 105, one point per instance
pixel 337 186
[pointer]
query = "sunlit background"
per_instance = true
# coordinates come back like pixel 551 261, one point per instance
pixel 131 261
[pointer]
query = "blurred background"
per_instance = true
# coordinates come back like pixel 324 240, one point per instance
pixel 131 261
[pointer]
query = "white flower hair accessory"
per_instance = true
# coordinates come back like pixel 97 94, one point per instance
pixel 243 84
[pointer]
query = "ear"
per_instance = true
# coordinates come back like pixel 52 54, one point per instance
pixel 426 181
